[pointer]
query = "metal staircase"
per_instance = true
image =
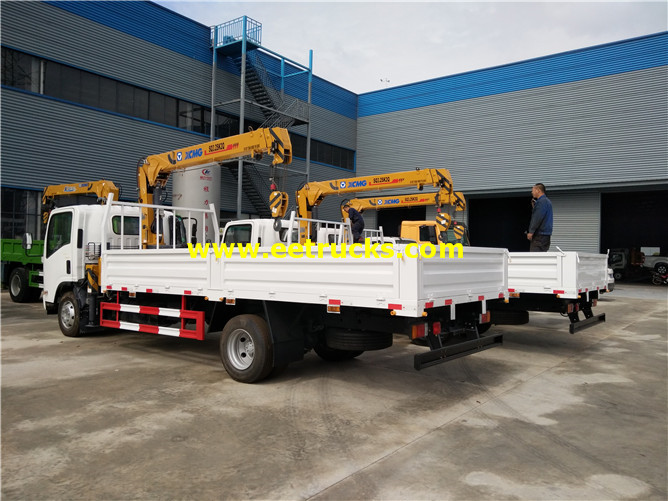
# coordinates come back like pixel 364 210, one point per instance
pixel 240 40
pixel 278 109
pixel 254 187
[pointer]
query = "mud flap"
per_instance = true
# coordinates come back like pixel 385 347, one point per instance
pixel 453 351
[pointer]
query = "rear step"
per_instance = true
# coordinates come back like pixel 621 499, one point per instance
pixel 451 352
pixel 581 324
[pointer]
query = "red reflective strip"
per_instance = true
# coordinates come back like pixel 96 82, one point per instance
pixel 394 306
pixel 511 290
pixel 149 290
pixel 108 287
pixel 114 324
pixel 430 304
pixel 335 302
pixel 151 329
pixel 448 301
pixel 124 288
pixel 501 294
pixel 559 292
pixel 110 306
pixel 187 292
pixel 149 310
pixel 481 298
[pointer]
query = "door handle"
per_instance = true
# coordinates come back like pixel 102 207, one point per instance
pixel 68 267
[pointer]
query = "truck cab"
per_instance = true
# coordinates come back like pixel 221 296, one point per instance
pixel 75 236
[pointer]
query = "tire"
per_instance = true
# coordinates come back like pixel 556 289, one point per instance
pixel 618 275
pixel 69 315
pixel 657 280
pixel 19 289
pixel 334 355
pixel 661 268
pixel 347 340
pixel 246 348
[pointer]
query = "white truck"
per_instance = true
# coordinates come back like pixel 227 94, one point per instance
pixel 562 282
pixel 272 309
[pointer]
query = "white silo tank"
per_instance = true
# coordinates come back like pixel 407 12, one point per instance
pixel 196 189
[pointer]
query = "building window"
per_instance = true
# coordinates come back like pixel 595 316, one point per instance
pixel 21 213
pixel 20 70
pixel 33 74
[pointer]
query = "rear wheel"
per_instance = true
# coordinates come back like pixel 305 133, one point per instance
pixel 661 268
pixel 334 355
pixel 350 340
pixel 19 289
pixel 246 348
pixel 69 315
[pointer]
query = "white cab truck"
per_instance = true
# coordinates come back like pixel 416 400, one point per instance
pixel 569 283
pixel 272 308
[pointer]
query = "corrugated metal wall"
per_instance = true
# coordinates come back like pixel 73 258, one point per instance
pixel 603 131
pixel 577 221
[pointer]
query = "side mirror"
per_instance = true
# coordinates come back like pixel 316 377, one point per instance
pixel 26 241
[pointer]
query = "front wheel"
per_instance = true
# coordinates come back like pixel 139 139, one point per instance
pixel 19 288
pixel 69 315
pixel 246 348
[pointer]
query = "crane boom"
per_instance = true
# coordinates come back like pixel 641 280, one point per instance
pixel 153 171
pixel 313 193
pixel 51 194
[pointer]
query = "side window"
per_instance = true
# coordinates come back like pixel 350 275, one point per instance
pixel 60 232
pixel 238 234
pixel 130 225
pixel 428 234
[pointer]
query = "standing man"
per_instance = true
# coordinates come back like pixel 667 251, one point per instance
pixel 540 227
pixel 356 222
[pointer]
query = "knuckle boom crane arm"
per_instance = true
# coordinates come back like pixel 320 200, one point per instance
pixel 443 197
pixel 313 193
pixel 153 171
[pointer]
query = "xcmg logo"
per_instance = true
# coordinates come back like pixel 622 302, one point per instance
pixel 189 154
pixel 391 201
pixel 355 184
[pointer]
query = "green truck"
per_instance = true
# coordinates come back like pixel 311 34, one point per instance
pixel 21 268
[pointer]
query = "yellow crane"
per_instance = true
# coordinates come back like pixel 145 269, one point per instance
pixel 153 171
pixel 56 194
pixel 313 193
pixel 441 198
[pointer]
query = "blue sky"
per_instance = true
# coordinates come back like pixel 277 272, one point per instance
pixel 366 46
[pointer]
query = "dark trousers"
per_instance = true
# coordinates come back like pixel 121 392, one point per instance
pixel 357 230
pixel 540 243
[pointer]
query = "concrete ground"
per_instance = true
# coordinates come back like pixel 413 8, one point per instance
pixel 548 415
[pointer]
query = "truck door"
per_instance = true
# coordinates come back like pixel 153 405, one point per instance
pixel 59 253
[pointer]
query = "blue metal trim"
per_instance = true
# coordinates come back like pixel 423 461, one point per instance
pixel 618 57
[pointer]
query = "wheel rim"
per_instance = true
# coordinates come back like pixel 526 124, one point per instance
pixel 661 269
pixel 67 314
pixel 15 285
pixel 240 349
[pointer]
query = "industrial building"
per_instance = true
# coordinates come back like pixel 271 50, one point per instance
pixel 91 91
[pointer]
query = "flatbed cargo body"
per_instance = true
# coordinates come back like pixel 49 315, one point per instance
pixel 405 285
pixel 562 282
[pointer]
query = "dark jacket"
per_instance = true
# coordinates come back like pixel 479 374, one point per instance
pixel 541 217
